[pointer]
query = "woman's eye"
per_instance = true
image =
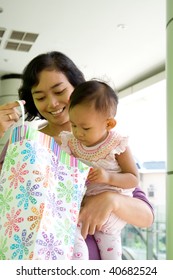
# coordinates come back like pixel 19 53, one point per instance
pixel 59 92
pixel 86 128
pixel 40 98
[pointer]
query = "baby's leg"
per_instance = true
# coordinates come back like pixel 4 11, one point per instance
pixel 80 251
pixel 109 238
pixel 109 245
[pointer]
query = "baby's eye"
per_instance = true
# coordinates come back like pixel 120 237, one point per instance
pixel 86 128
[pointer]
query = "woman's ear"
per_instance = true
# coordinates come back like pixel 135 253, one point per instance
pixel 111 123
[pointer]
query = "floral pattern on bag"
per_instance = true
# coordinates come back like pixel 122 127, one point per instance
pixel 41 189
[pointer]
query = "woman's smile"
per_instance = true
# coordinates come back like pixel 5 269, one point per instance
pixel 58 112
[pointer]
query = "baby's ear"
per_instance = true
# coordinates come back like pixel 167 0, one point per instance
pixel 111 123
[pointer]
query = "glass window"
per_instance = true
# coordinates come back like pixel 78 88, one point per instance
pixel 142 115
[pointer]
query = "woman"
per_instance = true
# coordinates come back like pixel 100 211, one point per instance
pixel 47 83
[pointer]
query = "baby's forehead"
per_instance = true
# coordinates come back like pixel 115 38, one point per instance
pixel 86 117
pixel 86 108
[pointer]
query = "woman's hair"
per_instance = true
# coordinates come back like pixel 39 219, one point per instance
pixel 47 61
pixel 97 93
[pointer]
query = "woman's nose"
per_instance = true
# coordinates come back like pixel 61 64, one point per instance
pixel 53 102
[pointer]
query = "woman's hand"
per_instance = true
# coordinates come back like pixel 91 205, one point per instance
pixel 8 116
pixel 95 211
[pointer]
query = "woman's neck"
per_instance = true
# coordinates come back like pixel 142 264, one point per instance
pixel 54 130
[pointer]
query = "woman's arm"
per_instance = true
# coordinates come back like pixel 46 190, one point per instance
pixel 135 211
pixel 96 210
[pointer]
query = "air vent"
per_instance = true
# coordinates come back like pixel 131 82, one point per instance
pixel 30 37
pixel 16 35
pixel 2 32
pixel 23 36
pixel 12 46
pixel 18 40
pixel 15 46
pixel 24 47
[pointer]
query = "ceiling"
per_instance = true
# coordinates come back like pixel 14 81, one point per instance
pixel 120 41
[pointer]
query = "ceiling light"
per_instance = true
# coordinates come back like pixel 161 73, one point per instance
pixel 121 26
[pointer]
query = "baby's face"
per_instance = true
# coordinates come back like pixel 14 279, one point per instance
pixel 88 125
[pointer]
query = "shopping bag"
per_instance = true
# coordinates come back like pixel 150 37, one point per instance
pixel 41 189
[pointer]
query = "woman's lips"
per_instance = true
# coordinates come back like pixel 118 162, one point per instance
pixel 55 113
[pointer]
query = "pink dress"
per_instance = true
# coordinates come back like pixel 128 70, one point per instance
pixel 102 155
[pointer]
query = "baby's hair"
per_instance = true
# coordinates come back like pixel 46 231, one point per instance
pixel 98 93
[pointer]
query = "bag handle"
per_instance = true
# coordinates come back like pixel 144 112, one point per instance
pixel 23 119
pixel 22 110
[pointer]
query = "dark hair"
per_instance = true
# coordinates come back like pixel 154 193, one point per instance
pixel 99 93
pixel 30 77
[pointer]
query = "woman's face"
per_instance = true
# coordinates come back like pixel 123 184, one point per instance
pixel 51 96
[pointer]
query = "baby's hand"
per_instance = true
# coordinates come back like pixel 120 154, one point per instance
pixel 98 175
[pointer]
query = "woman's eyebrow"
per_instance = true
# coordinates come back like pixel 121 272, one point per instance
pixel 41 91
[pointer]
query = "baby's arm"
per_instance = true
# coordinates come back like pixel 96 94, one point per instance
pixel 127 178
